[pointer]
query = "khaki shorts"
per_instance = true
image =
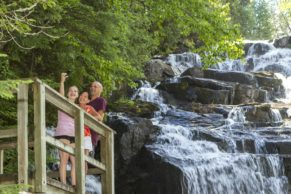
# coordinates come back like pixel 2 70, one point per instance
pixel 88 143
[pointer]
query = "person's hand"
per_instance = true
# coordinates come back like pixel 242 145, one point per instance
pixel 64 76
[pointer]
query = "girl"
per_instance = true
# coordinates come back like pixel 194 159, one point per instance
pixel 65 132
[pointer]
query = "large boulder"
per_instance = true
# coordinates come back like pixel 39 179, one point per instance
pixel 135 108
pixel 258 49
pixel 284 42
pixel 150 173
pixel 231 76
pixel 261 115
pixel 201 90
pixel 194 72
pixel 248 94
pixel 157 70
pixel 269 82
pixel 132 134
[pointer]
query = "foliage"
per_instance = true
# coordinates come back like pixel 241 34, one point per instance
pixel 13 188
pixel 284 19
pixel 109 41
pixel 254 17
pixel 16 18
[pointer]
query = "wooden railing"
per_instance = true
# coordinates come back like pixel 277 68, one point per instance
pixel 42 94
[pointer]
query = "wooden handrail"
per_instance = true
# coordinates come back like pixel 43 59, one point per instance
pixel 63 104
pixel 81 117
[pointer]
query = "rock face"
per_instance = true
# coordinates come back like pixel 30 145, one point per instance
pixel 132 135
pixel 259 114
pixel 257 49
pixel 284 42
pixel 196 89
pixel 231 76
pixel 223 117
pixel 156 70
pixel 220 87
pixel 154 176
pixel 135 108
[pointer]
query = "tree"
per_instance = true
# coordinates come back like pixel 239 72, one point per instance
pixel 254 18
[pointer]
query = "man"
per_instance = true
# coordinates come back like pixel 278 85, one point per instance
pixel 99 104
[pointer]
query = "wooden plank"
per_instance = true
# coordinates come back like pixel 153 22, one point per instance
pixel 110 164
pixel 103 153
pixel 91 171
pixel 1 161
pixel 94 124
pixel 39 138
pixel 60 145
pixel 22 133
pixel 59 187
pixel 95 163
pixel 80 156
pixel 60 102
pixel 107 157
pixel 7 133
pixel 11 145
pixel 8 179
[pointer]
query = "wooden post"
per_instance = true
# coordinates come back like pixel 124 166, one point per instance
pixel 107 157
pixel 1 161
pixel 39 138
pixel 79 150
pixel 22 133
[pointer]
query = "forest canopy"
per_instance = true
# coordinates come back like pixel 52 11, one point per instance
pixel 109 40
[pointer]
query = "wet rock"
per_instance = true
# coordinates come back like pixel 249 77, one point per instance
pixel 269 82
pixel 132 135
pixel 249 66
pixel 203 108
pixel 150 173
pixel 278 147
pixel 194 72
pixel 222 143
pixel 231 76
pixel 267 79
pixel 258 49
pixel 245 94
pixel 259 114
pixel 284 42
pixel 157 70
pixel 134 108
pixel 247 47
pixel 201 90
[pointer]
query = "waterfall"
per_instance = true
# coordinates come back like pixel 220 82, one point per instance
pixel 276 116
pixel 231 156
pixel 259 48
pixel 230 65
pixel 207 169
pixel 149 94
pixel 181 62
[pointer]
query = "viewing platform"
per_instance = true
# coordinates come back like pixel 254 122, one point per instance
pixel 30 134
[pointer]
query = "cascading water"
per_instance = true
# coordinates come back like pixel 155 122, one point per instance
pixel 207 166
pixel 181 62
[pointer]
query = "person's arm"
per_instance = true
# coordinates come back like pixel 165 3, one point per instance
pixel 100 116
pixel 62 83
pixel 97 115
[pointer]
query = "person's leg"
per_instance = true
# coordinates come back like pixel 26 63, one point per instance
pixel 73 167
pixel 64 157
